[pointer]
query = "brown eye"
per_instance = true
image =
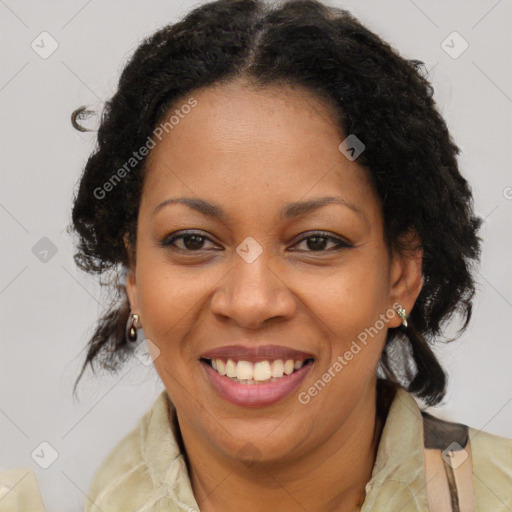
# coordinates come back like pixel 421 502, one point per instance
pixel 193 242
pixel 317 242
pixel 190 242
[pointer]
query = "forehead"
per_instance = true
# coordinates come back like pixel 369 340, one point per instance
pixel 263 145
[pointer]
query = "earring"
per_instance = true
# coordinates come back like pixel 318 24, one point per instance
pixel 131 332
pixel 402 313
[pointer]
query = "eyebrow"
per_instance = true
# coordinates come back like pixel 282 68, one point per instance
pixel 290 210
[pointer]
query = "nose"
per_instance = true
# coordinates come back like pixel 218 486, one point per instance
pixel 253 293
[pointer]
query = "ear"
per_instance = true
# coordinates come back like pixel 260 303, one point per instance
pixel 131 284
pixel 406 275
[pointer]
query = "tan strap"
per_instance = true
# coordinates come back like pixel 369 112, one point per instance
pixel 461 469
pixel 438 492
pixel 448 466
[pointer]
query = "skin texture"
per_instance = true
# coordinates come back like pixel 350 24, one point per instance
pixel 250 152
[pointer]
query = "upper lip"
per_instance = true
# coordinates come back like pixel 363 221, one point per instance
pixel 256 353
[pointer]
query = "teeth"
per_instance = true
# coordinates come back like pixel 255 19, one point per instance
pixel 277 368
pixel 249 373
pixel 230 368
pixel 244 370
pixel 221 367
pixel 288 366
pixel 262 370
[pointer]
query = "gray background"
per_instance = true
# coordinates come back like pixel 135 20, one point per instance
pixel 48 309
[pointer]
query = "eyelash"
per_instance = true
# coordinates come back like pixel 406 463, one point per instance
pixel 340 243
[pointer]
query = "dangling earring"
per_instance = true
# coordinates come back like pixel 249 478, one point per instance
pixel 402 313
pixel 131 332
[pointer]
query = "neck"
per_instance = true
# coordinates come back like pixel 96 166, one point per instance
pixel 331 478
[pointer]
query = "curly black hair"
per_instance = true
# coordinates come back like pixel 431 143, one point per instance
pixel 379 96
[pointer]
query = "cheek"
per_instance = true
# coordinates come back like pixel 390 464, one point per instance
pixel 350 310
pixel 349 298
pixel 349 306
pixel 170 300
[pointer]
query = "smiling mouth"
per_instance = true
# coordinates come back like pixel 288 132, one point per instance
pixel 260 372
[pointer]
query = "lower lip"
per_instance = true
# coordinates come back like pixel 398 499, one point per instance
pixel 255 395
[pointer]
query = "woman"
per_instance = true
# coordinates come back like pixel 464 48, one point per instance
pixel 284 200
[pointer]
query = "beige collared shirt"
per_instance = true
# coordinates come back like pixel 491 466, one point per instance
pixel 147 472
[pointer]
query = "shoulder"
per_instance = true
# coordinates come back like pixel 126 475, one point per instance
pixel 497 448
pixel 19 490
pixel 124 477
pixel 122 469
pixel 146 468
pixel 492 470
pixel 491 458
pixel 413 438
pixel 488 451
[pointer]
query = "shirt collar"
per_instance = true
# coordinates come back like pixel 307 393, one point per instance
pixel 398 478
pixel 159 441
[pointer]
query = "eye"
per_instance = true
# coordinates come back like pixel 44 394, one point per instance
pixel 317 242
pixel 190 241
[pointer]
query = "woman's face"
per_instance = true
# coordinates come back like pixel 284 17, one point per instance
pixel 257 284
